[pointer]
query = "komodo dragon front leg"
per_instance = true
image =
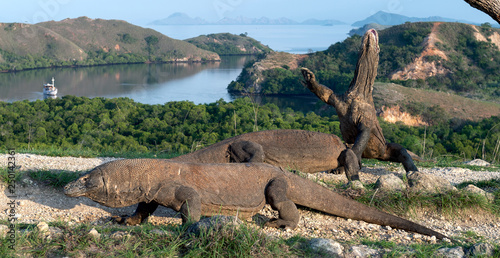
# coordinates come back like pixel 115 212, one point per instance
pixel 181 198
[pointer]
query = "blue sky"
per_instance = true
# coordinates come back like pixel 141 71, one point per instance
pixel 142 12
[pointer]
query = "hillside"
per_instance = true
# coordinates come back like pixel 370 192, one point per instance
pixel 455 58
pixel 229 44
pixel 34 40
pixel 85 41
pixel 433 106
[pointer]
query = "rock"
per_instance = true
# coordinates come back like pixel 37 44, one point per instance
pixel 478 162
pixel 390 182
pixel 214 222
pixel 356 185
pixel 94 234
pixel 327 246
pixel 456 252
pixel 481 250
pixel 43 227
pixel 119 235
pixel 423 182
pixel 361 251
pixel 476 190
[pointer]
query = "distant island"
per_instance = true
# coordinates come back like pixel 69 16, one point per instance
pixel 227 44
pixel 385 18
pixel 86 42
pixel 184 19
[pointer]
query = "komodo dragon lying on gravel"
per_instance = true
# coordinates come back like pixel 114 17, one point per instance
pixel 358 120
pixel 231 189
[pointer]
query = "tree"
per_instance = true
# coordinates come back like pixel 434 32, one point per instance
pixel 152 44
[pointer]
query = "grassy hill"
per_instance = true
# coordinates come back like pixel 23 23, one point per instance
pixel 433 106
pixel 85 41
pixel 229 44
pixel 18 39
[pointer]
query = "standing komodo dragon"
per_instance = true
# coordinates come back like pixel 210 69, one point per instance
pixel 356 111
pixel 196 189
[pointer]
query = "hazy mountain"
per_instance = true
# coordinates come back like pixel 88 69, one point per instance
pixel 361 31
pixel 184 19
pixel 385 18
pixel 180 19
pixel 240 20
pixel 322 22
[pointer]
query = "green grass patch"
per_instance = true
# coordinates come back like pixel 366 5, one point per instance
pixel 55 179
pixel 7 178
pixel 405 202
pixel 147 240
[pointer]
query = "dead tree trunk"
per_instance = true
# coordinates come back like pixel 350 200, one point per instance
pixel 490 7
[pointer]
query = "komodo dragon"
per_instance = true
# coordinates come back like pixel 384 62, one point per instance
pixel 305 151
pixel 196 189
pixel 356 111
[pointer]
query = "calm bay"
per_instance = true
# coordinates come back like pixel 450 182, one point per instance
pixel 160 83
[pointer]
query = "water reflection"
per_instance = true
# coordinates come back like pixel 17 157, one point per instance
pixel 146 83
pixel 149 84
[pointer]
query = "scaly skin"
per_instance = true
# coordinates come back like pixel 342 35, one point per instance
pixel 356 111
pixel 306 151
pixel 196 190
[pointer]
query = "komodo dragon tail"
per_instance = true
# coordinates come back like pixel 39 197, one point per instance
pixel 309 194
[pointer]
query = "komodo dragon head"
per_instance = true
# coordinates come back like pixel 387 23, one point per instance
pixel 105 184
pixel 89 184
pixel 366 68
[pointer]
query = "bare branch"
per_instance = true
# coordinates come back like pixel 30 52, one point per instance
pixel 490 7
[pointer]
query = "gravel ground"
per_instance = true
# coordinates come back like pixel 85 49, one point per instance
pixel 36 203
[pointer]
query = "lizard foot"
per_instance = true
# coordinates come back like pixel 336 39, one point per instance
pixel 126 220
pixel 280 223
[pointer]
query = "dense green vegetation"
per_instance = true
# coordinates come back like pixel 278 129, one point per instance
pixel 229 44
pixel 121 125
pixel 474 65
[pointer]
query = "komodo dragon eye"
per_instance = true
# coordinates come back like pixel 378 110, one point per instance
pixel 94 180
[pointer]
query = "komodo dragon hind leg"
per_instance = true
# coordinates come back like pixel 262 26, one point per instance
pixel 144 209
pixel 276 197
pixel 246 151
pixel 397 153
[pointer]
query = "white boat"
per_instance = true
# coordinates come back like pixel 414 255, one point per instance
pixel 49 88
